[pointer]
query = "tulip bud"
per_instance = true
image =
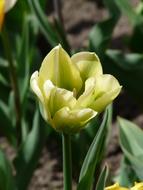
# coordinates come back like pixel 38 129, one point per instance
pixel 71 91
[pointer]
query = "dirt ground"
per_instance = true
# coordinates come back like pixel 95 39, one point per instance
pixel 79 16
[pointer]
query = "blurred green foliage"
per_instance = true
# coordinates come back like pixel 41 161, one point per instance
pixel 126 66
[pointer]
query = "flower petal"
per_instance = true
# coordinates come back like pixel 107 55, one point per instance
pixel 138 186
pixel 35 86
pixel 58 68
pixel 99 92
pixel 107 89
pixel 57 98
pixel 88 95
pixel 72 121
pixel 88 64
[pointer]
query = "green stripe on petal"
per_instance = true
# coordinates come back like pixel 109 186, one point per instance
pixel 88 64
pixel 58 68
pixel 72 121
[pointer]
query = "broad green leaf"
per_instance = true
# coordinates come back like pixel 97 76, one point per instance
pixel 102 179
pixel 131 141
pixel 86 177
pixel 6 178
pixel 81 142
pixel 29 153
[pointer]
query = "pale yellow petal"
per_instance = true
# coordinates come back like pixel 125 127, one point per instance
pixel 57 98
pixel 71 121
pixel 138 186
pixel 88 95
pixel 58 68
pixel 36 89
pixel 35 86
pixel 99 92
pixel 88 64
pixel 107 89
pixel 116 187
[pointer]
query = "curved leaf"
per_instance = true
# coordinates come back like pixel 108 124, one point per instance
pixel 93 156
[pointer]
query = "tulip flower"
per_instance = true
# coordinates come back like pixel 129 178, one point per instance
pixel 116 186
pixel 72 90
pixel 5 6
pixel 138 186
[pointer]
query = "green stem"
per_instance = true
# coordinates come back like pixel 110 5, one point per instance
pixel 13 75
pixel 67 164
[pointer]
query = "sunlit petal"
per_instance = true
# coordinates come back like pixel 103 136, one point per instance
pixel 58 68
pixel 88 64
pixel 71 121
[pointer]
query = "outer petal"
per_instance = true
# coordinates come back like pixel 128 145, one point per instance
pixel 115 187
pixel 71 121
pixel 58 68
pixel 138 186
pixel 57 98
pixel 35 87
pixel 106 90
pixel 99 92
pixel 88 64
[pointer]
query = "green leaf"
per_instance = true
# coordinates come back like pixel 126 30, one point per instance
pixel 86 177
pixel 102 179
pixel 23 61
pixel 131 141
pixel 29 153
pixel 126 175
pixel 15 16
pixel 99 38
pixel 126 7
pixel 6 178
pixel 45 26
pixel 6 126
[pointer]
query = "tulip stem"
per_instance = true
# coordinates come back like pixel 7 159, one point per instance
pixel 67 164
pixel 13 77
